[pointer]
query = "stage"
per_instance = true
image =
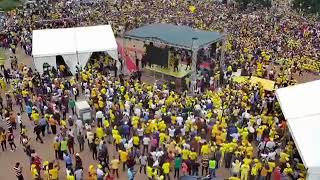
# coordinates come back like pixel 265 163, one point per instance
pixel 182 72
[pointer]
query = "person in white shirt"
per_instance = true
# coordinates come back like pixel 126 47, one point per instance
pixel 146 140
pixel 19 121
pixel 79 126
pixel 90 137
pixel 78 174
pixel 270 145
pixel 245 117
pixel 87 93
pixel 140 133
pixel 100 173
pixel 171 131
pixel 143 163
pixel 272 156
pixel 179 120
pixel 99 118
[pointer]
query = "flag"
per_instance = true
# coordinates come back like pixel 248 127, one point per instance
pixel 192 9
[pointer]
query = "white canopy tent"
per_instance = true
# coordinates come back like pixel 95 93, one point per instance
pixel 300 105
pixel 73 44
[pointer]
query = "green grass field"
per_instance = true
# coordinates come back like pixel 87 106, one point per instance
pixel 6 5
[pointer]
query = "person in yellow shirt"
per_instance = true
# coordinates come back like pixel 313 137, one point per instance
pixel 255 168
pixel 205 150
pixel 70 175
pixel 284 157
pixel 92 175
pixel 136 141
pixel 115 166
pixel 244 170
pixel 193 155
pixel 166 169
pixel 123 158
pixel 185 154
pixel 34 172
pixel 272 166
pixel 53 171
pixel 117 139
pixel 162 138
pixel 99 132
pixel 149 172
pixel 35 117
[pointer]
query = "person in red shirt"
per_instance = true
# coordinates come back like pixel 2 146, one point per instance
pixel 277 174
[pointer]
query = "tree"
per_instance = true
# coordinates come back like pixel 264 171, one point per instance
pixel 245 3
pixel 309 6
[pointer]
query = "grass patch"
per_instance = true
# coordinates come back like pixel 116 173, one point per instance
pixel 7 5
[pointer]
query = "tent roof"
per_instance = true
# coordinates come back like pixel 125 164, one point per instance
pixel 300 100
pixel 95 39
pixel 176 36
pixel 305 133
pixel 51 42
pixel 300 106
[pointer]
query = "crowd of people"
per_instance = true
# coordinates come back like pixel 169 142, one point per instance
pixel 154 129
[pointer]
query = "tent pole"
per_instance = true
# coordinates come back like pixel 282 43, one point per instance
pixel 78 61
pixel 194 63
pixel 222 58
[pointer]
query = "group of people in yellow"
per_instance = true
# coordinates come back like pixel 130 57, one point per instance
pixel 239 127
pixel 177 125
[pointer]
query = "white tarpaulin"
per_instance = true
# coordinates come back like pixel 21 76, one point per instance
pixel 52 42
pixel 300 105
pixel 73 44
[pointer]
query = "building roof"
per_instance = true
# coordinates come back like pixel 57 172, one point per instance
pixel 175 36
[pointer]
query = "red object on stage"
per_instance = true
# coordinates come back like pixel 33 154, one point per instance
pixel 131 66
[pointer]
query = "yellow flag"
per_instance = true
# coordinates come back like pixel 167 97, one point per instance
pixel 192 9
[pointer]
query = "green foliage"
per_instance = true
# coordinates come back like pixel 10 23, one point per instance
pixel 244 3
pixel 309 6
pixel 6 5
pixel 262 3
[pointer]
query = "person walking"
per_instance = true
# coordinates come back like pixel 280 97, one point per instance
pixel 18 171
pixel 37 130
pixel 53 125
pixel 115 166
pixel 68 160
pixel 70 144
pixel 131 173
pixel 11 142
pixel 78 161
pixel 80 139
pixel 205 166
pixel 123 158
pixel 143 163
pixel 3 139
pixel 177 166
pixel 94 148
pixel 56 147
pixel 43 125
pixel 19 120
pixel 166 170
pixel 78 173
pixel 212 168
pixel 63 147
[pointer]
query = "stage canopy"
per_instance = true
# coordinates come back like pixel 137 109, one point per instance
pixel 174 36
pixel 300 106
pixel 73 44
